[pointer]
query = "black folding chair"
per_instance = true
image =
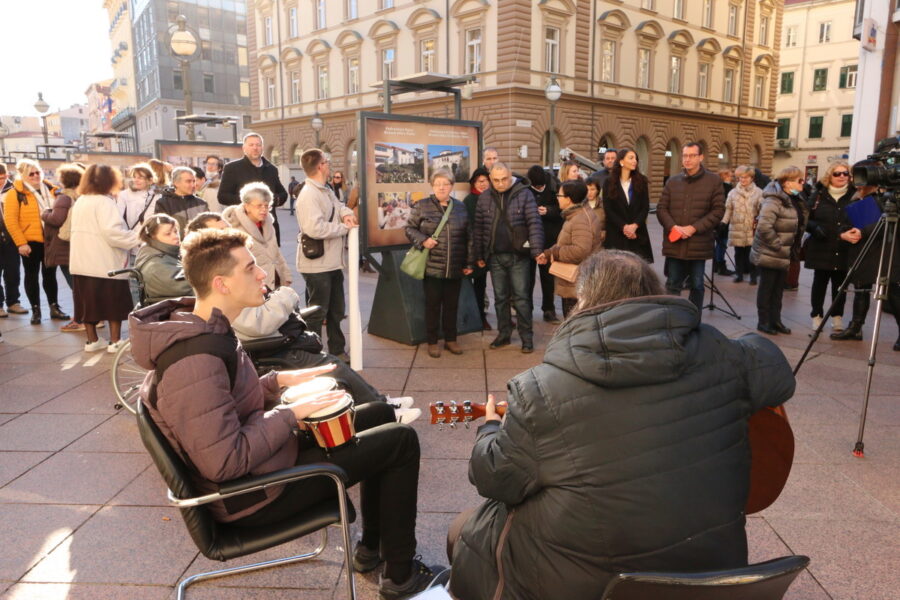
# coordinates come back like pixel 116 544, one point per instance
pixel 222 541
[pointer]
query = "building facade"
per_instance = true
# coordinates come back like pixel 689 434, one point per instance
pixel 69 123
pixel 218 76
pixel 817 85
pixel 648 74
pixel 122 88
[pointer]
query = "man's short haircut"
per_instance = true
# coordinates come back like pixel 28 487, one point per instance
pixel 441 174
pixel 256 189
pixel 608 150
pixel 198 172
pixel 612 275
pixel 250 135
pixel 575 190
pixel 206 254
pixel 178 171
pixel 490 149
pixel 311 159
pixel 69 175
pixel 789 172
pixel 202 221
pixel 536 175
pixel 499 166
pixel 152 225
pixel 693 145
pixel 3 168
pixel 99 179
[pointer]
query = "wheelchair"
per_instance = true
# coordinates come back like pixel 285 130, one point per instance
pixel 127 376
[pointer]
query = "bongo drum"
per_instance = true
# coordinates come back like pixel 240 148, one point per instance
pixel 333 426
pixel 313 387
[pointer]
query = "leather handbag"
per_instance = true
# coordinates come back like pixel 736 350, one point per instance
pixel 313 247
pixel 416 259
pixel 566 271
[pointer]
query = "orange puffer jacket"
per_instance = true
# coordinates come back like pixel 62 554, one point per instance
pixel 23 219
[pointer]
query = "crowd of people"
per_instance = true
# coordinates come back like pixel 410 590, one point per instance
pixel 207 244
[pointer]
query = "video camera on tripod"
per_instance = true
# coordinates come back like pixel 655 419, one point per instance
pixel 881 170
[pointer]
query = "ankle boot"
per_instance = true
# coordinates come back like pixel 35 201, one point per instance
pixel 852 332
pixel 57 313
pixel 35 315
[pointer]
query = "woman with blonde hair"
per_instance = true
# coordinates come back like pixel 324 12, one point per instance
pixel 771 250
pixel 741 209
pixel 826 251
pixel 23 204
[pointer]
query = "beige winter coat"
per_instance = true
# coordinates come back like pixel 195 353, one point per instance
pixel 741 209
pixel 264 249
pixel 581 236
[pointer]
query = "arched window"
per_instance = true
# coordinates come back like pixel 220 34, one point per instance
pixel 673 159
pixel 642 149
pixel 296 153
pixel 551 156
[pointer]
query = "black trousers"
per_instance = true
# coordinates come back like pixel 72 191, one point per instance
pixel 347 378
pixel 9 266
pixel 479 282
pixel 327 291
pixel 385 462
pixel 769 293
pixel 441 307
pixel 548 282
pixel 821 278
pixel 742 264
pixel 33 264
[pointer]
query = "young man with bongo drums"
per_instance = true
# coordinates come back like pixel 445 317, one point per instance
pixel 232 425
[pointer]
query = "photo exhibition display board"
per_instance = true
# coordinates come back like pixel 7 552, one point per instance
pixel 398 155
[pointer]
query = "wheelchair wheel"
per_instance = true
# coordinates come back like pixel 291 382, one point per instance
pixel 127 378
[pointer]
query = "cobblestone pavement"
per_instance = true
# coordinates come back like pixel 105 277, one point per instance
pixel 83 513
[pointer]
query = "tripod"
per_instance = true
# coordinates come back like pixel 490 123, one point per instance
pixel 887 224
pixel 710 284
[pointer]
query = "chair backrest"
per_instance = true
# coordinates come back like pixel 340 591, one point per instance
pixel 200 523
pixel 763 581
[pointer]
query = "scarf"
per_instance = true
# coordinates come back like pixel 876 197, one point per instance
pixel 837 192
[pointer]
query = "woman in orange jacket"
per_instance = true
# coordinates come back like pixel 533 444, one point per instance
pixel 23 204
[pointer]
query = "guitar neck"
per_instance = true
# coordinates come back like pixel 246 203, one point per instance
pixel 451 413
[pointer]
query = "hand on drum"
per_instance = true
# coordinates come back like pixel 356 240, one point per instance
pixel 306 406
pixel 298 376
pixel 490 409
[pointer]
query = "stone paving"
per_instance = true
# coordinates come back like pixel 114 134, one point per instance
pixel 83 512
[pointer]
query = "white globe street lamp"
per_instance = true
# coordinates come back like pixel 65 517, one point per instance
pixel 42 107
pixel 183 44
pixel 553 93
pixel 317 124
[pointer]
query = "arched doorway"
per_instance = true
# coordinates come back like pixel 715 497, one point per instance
pixel 275 156
pixel 296 153
pixel 550 161
pixel 642 149
pixel 673 159
pixel 607 141
pixel 725 157
pixel 755 153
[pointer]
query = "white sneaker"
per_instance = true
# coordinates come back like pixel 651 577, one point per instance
pixel 816 322
pixel 401 402
pixel 408 415
pixel 837 323
pixel 97 346
pixel 113 347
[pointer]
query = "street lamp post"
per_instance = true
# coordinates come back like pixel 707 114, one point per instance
pixel 183 44
pixel 317 123
pixel 553 93
pixel 42 107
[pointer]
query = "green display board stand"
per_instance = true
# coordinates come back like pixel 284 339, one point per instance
pixel 398 310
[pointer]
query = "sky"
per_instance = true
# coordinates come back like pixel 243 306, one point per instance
pixel 63 50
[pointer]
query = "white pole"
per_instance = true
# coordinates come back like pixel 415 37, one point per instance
pixel 356 362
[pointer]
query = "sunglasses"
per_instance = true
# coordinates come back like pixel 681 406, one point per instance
pixel 33 173
pixel 840 174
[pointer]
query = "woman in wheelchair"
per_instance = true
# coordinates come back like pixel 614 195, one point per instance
pixel 274 334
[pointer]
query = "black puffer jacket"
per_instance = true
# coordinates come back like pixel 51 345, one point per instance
pixel 827 221
pixel 521 209
pixel 454 251
pixel 626 450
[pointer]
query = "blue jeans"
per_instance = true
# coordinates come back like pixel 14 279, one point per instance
pixel 679 270
pixel 510 277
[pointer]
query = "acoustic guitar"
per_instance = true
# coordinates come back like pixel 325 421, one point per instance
pixel 771 446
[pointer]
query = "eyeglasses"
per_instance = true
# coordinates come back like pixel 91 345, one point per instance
pixel 840 174
pixel 33 173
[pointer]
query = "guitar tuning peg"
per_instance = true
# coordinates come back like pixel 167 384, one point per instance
pixel 440 426
pixel 467 425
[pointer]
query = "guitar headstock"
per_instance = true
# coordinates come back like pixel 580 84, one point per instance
pixel 454 412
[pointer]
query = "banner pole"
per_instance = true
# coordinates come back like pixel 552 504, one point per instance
pixel 356 362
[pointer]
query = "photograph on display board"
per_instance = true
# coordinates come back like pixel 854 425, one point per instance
pixel 399 163
pixel 453 158
pixel 400 153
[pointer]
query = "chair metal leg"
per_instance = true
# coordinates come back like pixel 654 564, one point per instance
pixel 345 529
pixel 258 566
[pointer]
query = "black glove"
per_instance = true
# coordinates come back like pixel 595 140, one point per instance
pixel 722 230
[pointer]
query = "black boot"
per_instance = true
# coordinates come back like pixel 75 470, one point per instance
pixel 35 315
pixel 57 313
pixel 722 268
pixel 852 332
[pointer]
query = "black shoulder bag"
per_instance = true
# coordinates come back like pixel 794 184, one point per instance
pixel 314 247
